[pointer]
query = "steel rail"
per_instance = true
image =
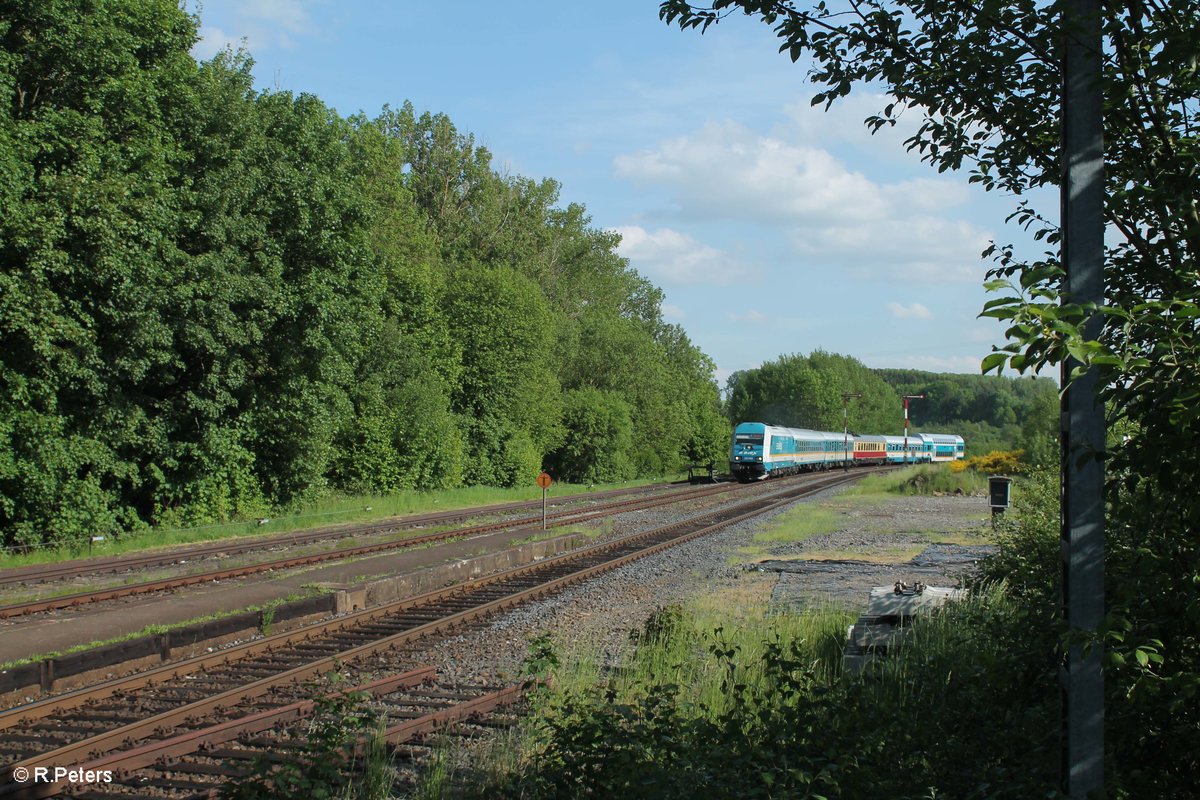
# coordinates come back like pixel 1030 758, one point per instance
pixel 246 650
pixel 40 573
pixel 562 517
pixel 666 536
pixel 142 756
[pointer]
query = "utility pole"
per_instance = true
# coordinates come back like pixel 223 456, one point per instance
pixel 908 397
pixel 846 424
pixel 1081 678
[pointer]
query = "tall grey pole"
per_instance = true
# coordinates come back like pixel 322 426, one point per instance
pixel 1082 199
pixel 846 427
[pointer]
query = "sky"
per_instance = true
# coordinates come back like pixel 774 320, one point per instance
pixel 772 227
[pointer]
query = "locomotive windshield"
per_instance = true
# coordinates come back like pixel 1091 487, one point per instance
pixel 748 438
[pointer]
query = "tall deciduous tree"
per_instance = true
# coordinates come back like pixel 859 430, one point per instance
pixel 806 392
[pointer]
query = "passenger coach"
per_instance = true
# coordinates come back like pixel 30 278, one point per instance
pixel 760 451
pixel 945 446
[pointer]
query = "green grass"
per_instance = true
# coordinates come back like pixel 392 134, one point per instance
pixel 590 531
pixel 333 510
pixel 674 647
pixel 921 479
pixel 814 518
pixel 741 705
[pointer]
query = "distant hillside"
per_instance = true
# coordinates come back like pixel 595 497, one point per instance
pixel 990 412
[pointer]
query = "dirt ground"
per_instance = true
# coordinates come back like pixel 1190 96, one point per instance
pixel 946 537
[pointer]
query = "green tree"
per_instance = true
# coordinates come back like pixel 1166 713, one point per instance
pixel 984 78
pixel 806 392
pixel 598 443
pixel 88 205
pixel 508 396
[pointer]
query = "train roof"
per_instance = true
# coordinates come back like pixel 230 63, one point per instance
pixel 912 437
pixel 779 430
pixel 943 438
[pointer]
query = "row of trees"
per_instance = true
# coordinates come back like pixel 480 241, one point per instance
pixel 216 300
pixel 991 413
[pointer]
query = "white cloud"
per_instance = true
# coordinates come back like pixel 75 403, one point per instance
pixel 753 316
pixel 938 363
pixel 833 215
pixel 678 259
pixel 261 25
pixel 286 15
pixel 673 313
pixel 914 311
pixel 984 335
pixel 725 171
pixel 212 41
pixel 844 122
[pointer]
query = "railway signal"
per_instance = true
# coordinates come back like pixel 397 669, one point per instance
pixel 908 397
pixel 544 481
pixel 846 426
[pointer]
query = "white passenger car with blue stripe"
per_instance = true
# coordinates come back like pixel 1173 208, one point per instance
pixel 761 450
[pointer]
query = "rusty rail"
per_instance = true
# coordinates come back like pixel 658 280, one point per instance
pixel 610 554
pixel 562 517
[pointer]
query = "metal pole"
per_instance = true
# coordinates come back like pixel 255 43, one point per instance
pixel 1083 434
pixel 908 397
pixel 846 427
pixel 543 508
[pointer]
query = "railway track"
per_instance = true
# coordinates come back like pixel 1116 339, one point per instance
pixel 196 763
pixel 558 518
pixel 42 573
pixel 256 677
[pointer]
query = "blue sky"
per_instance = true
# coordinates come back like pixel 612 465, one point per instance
pixel 772 227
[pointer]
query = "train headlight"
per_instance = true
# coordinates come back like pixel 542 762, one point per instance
pixel 758 459
pixel 737 458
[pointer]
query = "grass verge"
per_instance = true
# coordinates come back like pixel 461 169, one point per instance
pixel 334 510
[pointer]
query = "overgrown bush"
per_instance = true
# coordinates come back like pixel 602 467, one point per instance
pixel 1027 540
pixel 963 708
pixel 996 462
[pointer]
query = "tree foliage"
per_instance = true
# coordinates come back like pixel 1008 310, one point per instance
pixel 984 79
pixel 806 392
pixel 217 300
pixel 989 412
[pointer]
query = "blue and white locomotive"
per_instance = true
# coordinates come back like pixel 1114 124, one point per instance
pixel 760 451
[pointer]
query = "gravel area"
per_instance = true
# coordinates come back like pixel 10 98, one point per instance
pixel 603 611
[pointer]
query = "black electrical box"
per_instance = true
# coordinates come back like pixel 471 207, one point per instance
pixel 999 491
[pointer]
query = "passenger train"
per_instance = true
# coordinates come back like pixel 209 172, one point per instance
pixel 760 451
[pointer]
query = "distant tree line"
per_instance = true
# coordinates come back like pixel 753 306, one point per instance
pixel 217 300
pixel 991 413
